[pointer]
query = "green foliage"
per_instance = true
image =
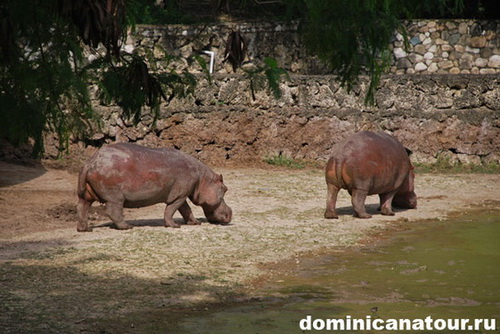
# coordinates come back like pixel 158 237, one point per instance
pixel 40 79
pixel 132 85
pixel 281 160
pixel 353 36
pixel 269 73
pixel 45 78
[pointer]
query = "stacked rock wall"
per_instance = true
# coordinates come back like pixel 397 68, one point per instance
pixel 442 99
pixel 455 117
pixel 460 46
pixel 434 46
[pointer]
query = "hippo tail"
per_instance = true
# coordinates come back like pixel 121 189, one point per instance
pixel 82 182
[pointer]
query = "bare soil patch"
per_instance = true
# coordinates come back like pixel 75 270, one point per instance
pixel 55 279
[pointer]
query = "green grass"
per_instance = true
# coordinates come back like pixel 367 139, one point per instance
pixel 458 168
pixel 284 161
pixel 442 165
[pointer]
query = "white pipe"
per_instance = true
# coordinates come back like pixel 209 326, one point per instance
pixel 212 60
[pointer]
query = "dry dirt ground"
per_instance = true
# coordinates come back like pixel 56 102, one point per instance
pixel 54 279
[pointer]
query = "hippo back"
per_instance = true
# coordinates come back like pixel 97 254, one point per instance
pixel 375 162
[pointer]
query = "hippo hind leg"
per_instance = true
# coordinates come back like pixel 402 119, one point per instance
pixel 115 212
pixel 386 203
pixel 358 202
pixel 331 202
pixel 82 210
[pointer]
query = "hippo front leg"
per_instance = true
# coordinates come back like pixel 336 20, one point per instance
pixel 187 214
pixel 386 203
pixel 358 202
pixel 170 209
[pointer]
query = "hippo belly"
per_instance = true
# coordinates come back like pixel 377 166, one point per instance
pixel 135 189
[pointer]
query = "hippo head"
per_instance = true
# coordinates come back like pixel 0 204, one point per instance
pixel 406 198
pixel 210 197
pixel 220 214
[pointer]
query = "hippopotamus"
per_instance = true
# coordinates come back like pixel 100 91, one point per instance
pixel 132 176
pixel 369 163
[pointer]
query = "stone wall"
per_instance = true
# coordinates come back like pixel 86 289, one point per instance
pixel 460 46
pixel 450 110
pixel 455 117
pixel 452 46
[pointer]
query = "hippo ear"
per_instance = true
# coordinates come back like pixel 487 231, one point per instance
pixel 221 178
pixel 408 151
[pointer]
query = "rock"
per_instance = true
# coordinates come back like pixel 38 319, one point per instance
pixel 403 63
pixel 486 52
pixel 476 29
pixel 415 40
pixel 445 64
pixel 420 49
pixel 453 39
pixel 462 28
pixel 492 158
pixel 481 62
pixel 494 61
pixel 399 53
pixel 487 71
pixel 450 25
pixel 478 42
pixel 466 61
pixel 472 50
pixel 467 159
pixel 432 68
pixel 447 47
pixel 420 67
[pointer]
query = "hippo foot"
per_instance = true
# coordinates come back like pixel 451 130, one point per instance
pixel 123 226
pixel 388 212
pixel 194 222
pixel 362 215
pixel 331 215
pixel 174 225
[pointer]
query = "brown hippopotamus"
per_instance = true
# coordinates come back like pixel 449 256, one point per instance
pixel 370 163
pixel 133 176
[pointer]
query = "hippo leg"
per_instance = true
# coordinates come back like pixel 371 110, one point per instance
pixel 358 202
pixel 187 214
pixel 331 202
pixel 115 212
pixel 386 203
pixel 170 210
pixel 83 214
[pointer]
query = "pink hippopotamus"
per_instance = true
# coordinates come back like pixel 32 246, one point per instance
pixel 132 176
pixel 370 163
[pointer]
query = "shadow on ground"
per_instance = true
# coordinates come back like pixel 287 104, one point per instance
pixel 12 174
pixel 65 299
pixel 372 209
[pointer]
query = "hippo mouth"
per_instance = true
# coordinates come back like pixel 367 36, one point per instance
pixel 222 214
pixel 407 201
